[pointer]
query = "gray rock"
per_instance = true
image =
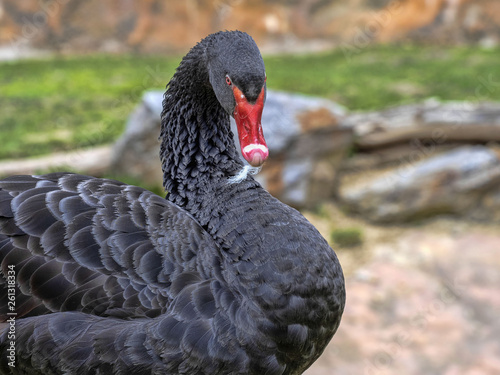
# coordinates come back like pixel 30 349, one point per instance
pixel 455 182
pixel 304 136
pixel 137 152
pixel 431 120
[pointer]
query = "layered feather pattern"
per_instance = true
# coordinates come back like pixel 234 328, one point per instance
pixel 217 278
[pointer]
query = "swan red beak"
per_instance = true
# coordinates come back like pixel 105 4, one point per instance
pixel 248 120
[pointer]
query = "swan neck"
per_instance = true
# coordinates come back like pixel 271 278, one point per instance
pixel 197 147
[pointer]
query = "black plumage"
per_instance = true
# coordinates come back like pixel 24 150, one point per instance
pixel 218 278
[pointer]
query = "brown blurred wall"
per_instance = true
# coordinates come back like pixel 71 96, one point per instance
pixel 163 26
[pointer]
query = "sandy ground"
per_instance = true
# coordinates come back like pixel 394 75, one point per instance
pixel 421 299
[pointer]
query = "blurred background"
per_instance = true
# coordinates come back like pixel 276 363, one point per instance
pixel 383 121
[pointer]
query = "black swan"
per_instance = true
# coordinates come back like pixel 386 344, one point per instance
pixel 100 277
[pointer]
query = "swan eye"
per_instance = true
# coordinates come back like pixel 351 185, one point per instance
pixel 228 80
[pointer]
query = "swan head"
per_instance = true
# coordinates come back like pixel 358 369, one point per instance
pixel 238 78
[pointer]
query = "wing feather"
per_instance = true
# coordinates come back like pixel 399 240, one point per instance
pixel 90 255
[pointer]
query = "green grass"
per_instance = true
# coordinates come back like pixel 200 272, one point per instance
pixel 388 75
pixel 66 103
pixel 347 237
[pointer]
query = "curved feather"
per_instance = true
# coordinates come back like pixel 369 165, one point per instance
pixel 105 249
